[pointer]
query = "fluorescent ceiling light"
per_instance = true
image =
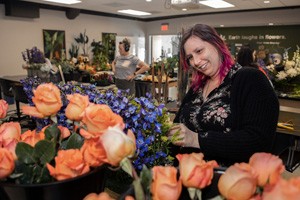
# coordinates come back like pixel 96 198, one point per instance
pixel 64 1
pixel 216 4
pixel 134 12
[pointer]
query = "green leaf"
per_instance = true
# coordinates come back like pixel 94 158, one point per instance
pixel 146 179
pixel 52 132
pixel 75 141
pixel 127 166
pixel 44 151
pixel 25 153
pixel 138 190
pixel 42 175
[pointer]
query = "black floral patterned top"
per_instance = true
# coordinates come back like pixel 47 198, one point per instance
pixel 237 119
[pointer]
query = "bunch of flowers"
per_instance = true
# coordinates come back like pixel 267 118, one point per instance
pixel 34 58
pixel 289 70
pixel 148 120
pixel 103 79
pixel 259 179
pixel 56 152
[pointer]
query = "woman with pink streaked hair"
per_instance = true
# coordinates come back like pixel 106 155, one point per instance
pixel 230 112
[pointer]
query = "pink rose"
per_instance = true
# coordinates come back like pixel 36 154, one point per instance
pixel 118 145
pixel 194 171
pixel 98 118
pixel 165 185
pixel 238 182
pixel 10 134
pixel 76 106
pixel 31 137
pixel 282 190
pixel 46 99
pixel 3 108
pixel 268 167
pixel 68 164
pixel 7 163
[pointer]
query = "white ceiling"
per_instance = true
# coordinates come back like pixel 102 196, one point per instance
pixel 162 8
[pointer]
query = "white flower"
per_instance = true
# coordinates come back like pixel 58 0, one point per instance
pixel 281 75
pixel 289 64
pixel 292 72
pixel 271 67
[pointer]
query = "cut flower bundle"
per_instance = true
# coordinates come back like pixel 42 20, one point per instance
pixel 55 152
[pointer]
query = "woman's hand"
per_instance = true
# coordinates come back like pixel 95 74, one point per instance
pixel 130 77
pixel 182 136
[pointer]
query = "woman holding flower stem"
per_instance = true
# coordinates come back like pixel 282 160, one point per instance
pixel 229 112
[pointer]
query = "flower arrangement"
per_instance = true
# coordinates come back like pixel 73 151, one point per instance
pixel 286 74
pixel 34 58
pixel 56 152
pixel 290 69
pixel 148 119
pixel 259 179
pixel 37 64
pixel 103 79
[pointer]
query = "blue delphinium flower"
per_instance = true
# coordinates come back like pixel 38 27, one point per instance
pixel 144 116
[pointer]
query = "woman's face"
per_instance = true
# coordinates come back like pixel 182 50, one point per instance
pixel 121 49
pixel 202 56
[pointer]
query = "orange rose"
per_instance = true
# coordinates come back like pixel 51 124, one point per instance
pixel 46 99
pixel 101 196
pixel 64 132
pixel 31 137
pixel 68 164
pixel 165 185
pixel 282 190
pixel 238 182
pixel 3 108
pixel 98 118
pixel 93 152
pixel 7 163
pixel 76 106
pixel 10 134
pixel 268 167
pixel 118 145
pixel 194 171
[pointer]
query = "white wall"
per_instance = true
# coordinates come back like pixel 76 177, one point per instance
pixel 18 34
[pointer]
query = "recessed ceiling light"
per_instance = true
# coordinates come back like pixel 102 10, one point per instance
pixel 217 4
pixel 271 24
pixel 134 12
pixel 64 1
pixel 221 25
pixel 184 9
pixel 266 1
pixel 148 0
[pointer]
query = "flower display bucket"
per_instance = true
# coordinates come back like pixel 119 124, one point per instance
pixel 75 188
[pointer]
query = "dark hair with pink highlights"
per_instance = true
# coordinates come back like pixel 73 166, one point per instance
pixel 210 35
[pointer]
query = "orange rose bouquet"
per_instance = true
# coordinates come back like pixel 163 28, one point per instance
pixel 56 152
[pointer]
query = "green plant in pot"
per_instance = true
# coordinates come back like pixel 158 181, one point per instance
pixel 83 40
pixel 100 59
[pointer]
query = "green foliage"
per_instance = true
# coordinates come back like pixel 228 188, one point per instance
pixel 83 39
pixel 73 51
pixel 146 180
pixel 100 56
pixel 52 42
pixel 75 141
pixel 31 164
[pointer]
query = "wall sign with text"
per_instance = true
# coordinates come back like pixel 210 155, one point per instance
pixel 264 39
